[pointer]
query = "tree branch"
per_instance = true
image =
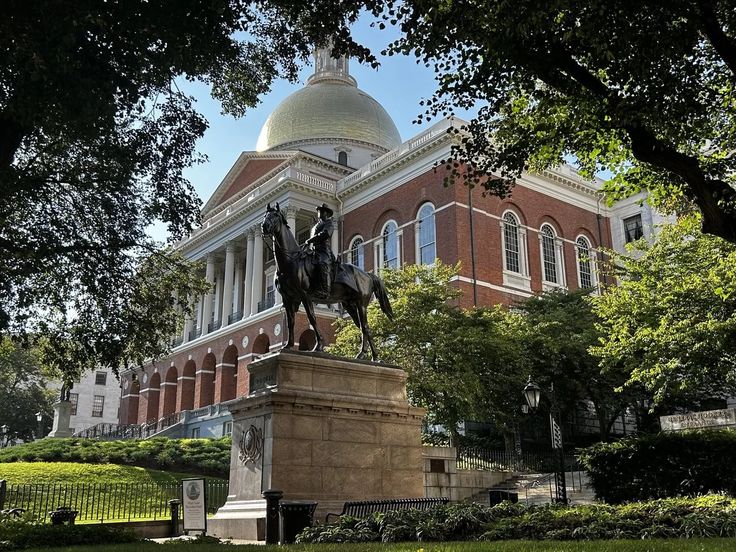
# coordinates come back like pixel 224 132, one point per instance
pixel 721 42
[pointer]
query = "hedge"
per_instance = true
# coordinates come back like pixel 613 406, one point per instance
pixel 20 533
pixel 662 465
pixel 703 517
pixel 201 456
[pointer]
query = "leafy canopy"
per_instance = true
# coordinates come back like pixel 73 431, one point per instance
pixel 671 320
pixel 95 134
pixel 645 90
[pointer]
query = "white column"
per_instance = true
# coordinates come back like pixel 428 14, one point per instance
pixel 291 219
pixel 218 299
pixel 227 285
pixel 238 285
pixel 248 273
pixel 188 323
pixel 256 282
pixel 417 252
pixel 209 275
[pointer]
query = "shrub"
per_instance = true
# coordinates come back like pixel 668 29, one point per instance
pixel 202 456
pixel 662 465
pixel 701 517
pixel 25 532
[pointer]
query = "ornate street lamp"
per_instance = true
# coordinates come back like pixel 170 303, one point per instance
pixel 39 419
pixel 533 393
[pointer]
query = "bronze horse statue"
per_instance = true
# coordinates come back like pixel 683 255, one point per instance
pixel 353 287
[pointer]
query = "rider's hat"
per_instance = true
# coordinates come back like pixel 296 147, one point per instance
pixel 325 208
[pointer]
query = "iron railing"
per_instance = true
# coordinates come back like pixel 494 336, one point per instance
pixel 266 304
pixel 234 317
pixel 134 431
pixel 108 501
pixel 214 326
pixel 476 458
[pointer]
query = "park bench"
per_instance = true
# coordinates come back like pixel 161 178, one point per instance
pixel 362 508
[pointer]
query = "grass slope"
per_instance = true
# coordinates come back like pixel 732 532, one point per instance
pixel 673 545
pixel 74 472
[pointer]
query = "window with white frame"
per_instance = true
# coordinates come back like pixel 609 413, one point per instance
pixel 227 428
pixel 585 263
pixel 511 243
pixel 98 406
pixel 426 235
pixel 633 228
pixel 357 254
pixel 549 254
pixel 390 245
pixel 342 158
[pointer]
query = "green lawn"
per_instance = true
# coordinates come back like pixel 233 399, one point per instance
pixel 73 472
pixel 695 545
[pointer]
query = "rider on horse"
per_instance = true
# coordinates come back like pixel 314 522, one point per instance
pixel 320 239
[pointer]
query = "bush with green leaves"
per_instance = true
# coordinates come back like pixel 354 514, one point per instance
pixel 663 465
pixel 18 533
pixel 201 456
pixel 702 517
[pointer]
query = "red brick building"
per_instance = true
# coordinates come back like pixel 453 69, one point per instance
pixel 330 142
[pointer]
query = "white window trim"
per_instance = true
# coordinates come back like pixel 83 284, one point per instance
pixel 593 263
pixel 516 280
pixel 559 260
pixel 378 250
pixel 350 250
pixel 417 224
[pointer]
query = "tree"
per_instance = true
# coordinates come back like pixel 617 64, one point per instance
pixel 461 365
pixel 23 392
pixel 671 320
pixel 95 133
pixel 561 328
pixel 642 89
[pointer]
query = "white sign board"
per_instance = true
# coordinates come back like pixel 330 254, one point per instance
pixel 699 420
pixel 193 495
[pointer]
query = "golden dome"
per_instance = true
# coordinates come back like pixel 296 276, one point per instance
pixel 329 107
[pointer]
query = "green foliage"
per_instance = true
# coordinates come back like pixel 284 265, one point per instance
pixel 658 114
pixel 23 392
pixel 24 532
pixel 671 321
pixel 662 465
pixel 702 517
pixel 461 364
pixel 78 472
pixel 201 456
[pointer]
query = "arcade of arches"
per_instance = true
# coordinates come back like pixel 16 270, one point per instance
pixel 164 391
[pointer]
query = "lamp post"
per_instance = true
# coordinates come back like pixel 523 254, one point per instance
pixel 3 435
pixel 39 419
pixel 533 393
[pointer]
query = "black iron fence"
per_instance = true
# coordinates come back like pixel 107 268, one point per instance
pixel 106 501
pixel 134 431
pixel 475 458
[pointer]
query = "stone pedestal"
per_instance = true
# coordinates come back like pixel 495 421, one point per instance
pixel 62 417
pixel 319 428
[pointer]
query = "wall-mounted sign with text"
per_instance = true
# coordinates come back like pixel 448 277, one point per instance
pixel 194 494
pixel 699 420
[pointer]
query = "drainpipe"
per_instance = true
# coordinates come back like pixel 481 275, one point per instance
pixel 598 218
pixel 472 246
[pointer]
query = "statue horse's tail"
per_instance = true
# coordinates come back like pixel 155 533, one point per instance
pixel 380 291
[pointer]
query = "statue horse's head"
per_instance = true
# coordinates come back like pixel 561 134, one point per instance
pixel 272 220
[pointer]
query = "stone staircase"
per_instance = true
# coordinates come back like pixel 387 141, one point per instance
pixel 538 488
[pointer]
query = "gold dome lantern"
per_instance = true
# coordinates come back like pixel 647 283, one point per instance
pixel 329 108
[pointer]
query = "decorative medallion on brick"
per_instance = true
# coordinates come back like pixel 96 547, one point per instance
pixel 251 445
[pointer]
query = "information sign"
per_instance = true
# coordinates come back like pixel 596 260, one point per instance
pixel 194 495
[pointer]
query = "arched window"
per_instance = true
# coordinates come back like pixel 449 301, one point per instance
pixel 390 243
pixel 342 158
pixel 585 263
pixel 357 257
pixel 549 256
pixel 426 235
pixel 511 243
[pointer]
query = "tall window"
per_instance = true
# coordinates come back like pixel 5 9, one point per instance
pixel 342 158
pixel 98 406
pixel 511 242
pixel 426 236
pixel 357 255
pixel 633 228
pixel 74 400
pixel 585 268
pixel 549 255
pixel 100 378
pixel 390 245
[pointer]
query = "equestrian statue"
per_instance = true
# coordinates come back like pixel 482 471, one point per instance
pixel 309 273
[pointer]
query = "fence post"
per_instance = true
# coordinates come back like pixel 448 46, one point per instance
pixel 3 493
pixel 174 506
